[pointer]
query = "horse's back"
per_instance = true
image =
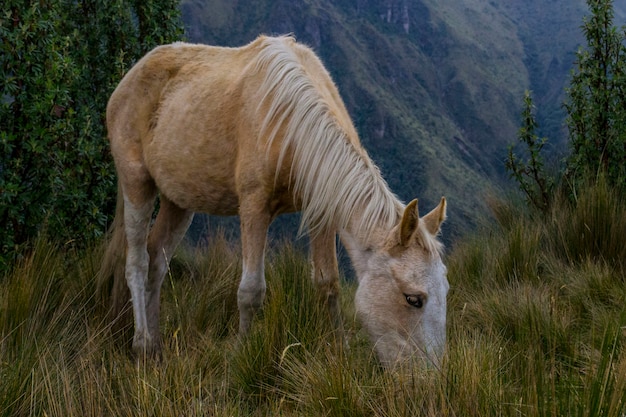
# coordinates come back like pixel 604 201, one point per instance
pixel 194 117
pixel 171 115
pixel 146 86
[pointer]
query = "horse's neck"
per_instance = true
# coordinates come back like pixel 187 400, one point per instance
pixel 361 243
pixel 360 237
pixel 371 207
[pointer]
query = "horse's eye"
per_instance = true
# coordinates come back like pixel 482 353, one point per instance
pixel 416 300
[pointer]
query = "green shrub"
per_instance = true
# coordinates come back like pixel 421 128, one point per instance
pixel 59 62
pixel 596 103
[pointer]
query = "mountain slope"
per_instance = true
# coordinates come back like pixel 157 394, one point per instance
pixel 434 87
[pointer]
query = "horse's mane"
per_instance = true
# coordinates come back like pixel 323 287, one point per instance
pixel 333 175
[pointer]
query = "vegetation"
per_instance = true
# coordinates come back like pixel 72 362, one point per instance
pixel 530 175
pixel 59 62
pixel 536 327
pixel 536 319
pixel 596 117
pixel 596 105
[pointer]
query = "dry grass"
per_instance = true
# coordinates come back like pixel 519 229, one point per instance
pixel 536 328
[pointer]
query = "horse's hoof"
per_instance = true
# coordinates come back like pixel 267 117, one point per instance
pixel 147 348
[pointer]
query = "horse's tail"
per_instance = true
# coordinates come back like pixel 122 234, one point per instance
pixel 112 286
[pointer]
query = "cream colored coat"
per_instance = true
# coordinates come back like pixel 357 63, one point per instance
pixel 259 131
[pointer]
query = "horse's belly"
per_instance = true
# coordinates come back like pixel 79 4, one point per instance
pixel 208 195
pixel 194 180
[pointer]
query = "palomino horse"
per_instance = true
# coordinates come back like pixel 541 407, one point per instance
pixel 259 131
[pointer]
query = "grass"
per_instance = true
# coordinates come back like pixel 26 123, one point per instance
pixel 536 328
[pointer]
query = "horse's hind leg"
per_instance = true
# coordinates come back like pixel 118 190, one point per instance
pixel 168 230
pixel 139 195
pixel 326 274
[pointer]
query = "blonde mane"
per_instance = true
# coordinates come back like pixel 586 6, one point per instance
pixel 334 178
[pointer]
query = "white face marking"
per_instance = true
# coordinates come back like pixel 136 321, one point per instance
pixel 431 330
pixel 401 299
pixel 401 330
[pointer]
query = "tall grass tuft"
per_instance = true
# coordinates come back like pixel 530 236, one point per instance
pixel 202 290
pixel 536 327
pixel 548 289
pixel 292 322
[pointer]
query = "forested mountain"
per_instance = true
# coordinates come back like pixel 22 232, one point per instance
pixel 434 87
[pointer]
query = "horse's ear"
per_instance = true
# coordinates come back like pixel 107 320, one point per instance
pixel 433 220
pixel 408 225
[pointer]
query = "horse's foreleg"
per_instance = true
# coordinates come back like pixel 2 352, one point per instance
pixel 137 222
pixel 169 228
pixel 251 293
pixel 326 274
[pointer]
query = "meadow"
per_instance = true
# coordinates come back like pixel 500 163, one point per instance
pixel 536 327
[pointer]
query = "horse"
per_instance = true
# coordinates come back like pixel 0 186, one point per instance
pixel 257 131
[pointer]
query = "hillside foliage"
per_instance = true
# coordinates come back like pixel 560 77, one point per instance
pixel 596 118
pixel 596 104
pixel 59 62
pixel 535 327
pixel 530 174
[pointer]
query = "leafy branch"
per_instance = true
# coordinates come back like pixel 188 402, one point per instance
pixel 529 173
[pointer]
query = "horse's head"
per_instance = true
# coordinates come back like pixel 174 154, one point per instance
pixel 401 299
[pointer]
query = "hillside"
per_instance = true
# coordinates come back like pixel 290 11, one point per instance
pixel 434 88
pixel 535 320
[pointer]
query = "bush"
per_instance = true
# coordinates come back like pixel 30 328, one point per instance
pixel 530 174
pixel 596 103
pixel 59 61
